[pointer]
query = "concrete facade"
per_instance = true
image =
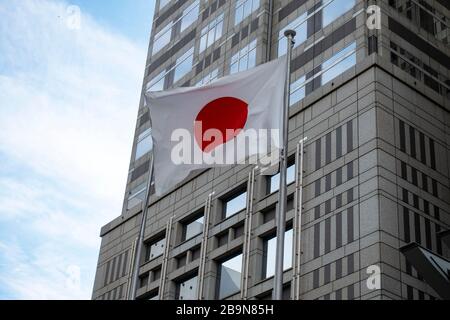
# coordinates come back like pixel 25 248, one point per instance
pixel 377 161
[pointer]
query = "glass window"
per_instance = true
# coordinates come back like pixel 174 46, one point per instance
pixel 275 180
pixel 235 205
pixel 298 90
pixel 190 15
pixel 300 26
pixel 162 39
pixel 157 84
pixel 335 9
pixel 244 8
pixel 145 144
pixel 136 196
pixel 154 297
pixel 270 252
pixel 244 59
pixel 155 249
pixel 184 65
pixel 230 277
pixel 187 290
pixel 143 280
pixel 212 32
pixel 193 228
pixel 213 75
pixel 163 3
pixel 339 63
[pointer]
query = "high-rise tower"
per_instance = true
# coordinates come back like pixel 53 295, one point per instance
pixel 375 106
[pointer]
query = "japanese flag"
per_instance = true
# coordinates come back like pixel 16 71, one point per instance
pixel 234 120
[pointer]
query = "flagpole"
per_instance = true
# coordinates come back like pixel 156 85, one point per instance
pixel 140 239
pixel 282 197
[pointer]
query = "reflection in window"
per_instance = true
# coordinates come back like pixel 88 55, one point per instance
pixel 298 90
pixel 154 297
pixel 155 249
pixel 136 196
pixel 275 180
pixel 336 9
pixel 190 15
pixel 211 33
pixel 193 228
pixel 244 8
pixel 235 205
pixel 162 39
pixel 157 84
pixel 426 16
pixel 145 144
pixel 184 65
pixel 270 253
pixel 163 3
pixel 213 75
pixel 230 277
pixel 299 25
pixel 187 290
pixel 244 59
pixel 339 63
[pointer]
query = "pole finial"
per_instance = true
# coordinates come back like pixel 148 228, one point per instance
pixel 290 33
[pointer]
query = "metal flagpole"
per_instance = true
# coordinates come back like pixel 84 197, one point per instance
pixel 282 199
pixel 140 239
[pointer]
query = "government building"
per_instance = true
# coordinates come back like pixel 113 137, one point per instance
pixel 373 101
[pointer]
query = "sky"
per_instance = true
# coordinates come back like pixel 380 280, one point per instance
pixel 70 79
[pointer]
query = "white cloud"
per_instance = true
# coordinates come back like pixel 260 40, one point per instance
pixel 68 102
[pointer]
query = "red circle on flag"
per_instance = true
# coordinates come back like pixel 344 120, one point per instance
pixel 223 114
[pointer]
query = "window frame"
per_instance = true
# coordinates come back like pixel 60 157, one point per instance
pixel 289 233
pixel 200 215
pixel 149 244
pixel 233 196
pixel 219 274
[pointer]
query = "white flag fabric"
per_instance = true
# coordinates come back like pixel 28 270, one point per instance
pixel 187 123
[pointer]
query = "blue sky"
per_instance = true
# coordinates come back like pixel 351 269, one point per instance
pixel 131 18
pixel 69 94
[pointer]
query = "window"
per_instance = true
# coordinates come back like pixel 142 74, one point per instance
pixel 244 59
pixel 155 249
pixel 298 91
pixel 270 248
pixel 275 180
pixel 213 75
pixel 145 144
pixel 193 228
pixel 244 8
pixel 136 196
pixel 299 25
pixel 230 277
pixel 162 39
pixel 163 3
pixel 157 84
pixel 143 280
pixel 339 63
pixel 335 9
pixel 187 290
pixel 424 15
pixel 190 15
pixel 184 65
pixel 235 205
pixel 212 32
pixel 154 298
